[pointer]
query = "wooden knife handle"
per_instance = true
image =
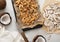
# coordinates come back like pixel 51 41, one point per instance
pixel 25 38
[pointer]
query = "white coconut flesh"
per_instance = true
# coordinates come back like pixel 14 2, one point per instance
pixel 5 19
pixel 52 16
pixel 40 39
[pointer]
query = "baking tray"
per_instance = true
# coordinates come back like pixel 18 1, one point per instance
pixel 28 28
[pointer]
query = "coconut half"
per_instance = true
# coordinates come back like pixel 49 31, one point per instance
pixel 39 38
pixel 5 19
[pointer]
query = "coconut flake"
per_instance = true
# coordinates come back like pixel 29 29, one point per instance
pixel 52 16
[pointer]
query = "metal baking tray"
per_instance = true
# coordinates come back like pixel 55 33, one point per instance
pixel 27 28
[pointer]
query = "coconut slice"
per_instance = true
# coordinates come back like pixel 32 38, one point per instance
pixel 39 38
pixel 5 19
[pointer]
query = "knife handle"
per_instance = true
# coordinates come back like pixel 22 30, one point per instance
pixel 25 38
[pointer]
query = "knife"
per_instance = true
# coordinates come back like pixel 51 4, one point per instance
pixel 22 33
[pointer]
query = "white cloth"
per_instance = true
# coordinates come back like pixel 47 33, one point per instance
pixel 8 36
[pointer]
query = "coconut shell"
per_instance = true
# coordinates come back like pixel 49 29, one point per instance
pixel 35 38
pixel 2 4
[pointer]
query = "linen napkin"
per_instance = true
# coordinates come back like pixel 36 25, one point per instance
pixel 9 36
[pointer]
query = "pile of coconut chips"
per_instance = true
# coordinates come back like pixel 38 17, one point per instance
pixel 52 16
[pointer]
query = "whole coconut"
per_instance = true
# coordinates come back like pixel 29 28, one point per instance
pixel 2 4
